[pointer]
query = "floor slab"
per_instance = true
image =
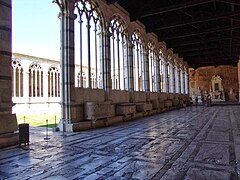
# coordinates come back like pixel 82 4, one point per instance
pixel 192 143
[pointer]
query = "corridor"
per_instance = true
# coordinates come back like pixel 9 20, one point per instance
pixel 192 143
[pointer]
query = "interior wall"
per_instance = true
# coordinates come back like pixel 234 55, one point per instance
pixel 200 79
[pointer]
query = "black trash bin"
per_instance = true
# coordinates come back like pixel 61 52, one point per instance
pixel 23 134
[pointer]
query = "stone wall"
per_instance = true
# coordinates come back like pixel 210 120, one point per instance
pixel 8 121
pixel 200 79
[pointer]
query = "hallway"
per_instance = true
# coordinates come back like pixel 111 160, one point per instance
pixel 192 143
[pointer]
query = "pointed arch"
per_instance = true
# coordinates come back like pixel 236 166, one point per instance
pixel 17 78
pixel 53 82
pixel 35 80
pixel 88 44
pixel 118 47
pixel 152 62
pixel 138 50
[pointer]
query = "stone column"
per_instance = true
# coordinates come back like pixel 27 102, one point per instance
pixel 173 75
pixel 171 78
pixel 176 80
pixel 67 63
pixel 186 83
pixel 165 77
pixel 179 80
pixel 157 74
pixel 145 72
pixel 26 86
pixel 128 64
pixel 8 122
pixel 106 56
pixel 45 81
pixel 183 79
pixel 239 77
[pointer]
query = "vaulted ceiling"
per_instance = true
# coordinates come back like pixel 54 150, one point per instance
pixel 203 32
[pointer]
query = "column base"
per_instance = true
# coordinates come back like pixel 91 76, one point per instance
pixel 8 128
pixel 67 127
pixel 9 139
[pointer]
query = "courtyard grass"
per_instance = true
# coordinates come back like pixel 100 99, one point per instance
pixel 39 120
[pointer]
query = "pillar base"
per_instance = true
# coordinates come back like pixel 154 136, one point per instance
pixel 8 139
pixel 67 127
pixel 8 128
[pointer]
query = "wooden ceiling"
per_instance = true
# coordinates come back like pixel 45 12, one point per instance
pixel 202 32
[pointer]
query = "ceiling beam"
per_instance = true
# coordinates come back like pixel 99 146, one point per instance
pixel 201 20
pixel 233 2
pixel 198 42
pixel 184 5
pixel 211 53
pixel 201 33
pixel 112 1
pixel 218 46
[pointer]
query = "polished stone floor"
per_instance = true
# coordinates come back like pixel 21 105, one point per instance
pixel 193 143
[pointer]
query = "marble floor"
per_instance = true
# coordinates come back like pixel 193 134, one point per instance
pixel 193 143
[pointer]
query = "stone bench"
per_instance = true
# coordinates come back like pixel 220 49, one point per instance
pixel 125 108
pixel 98 110
pixel 143 107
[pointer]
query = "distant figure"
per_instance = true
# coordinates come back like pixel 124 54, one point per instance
pixel 210 100
pixel 196 100
pixel 207 100
pixel 203 100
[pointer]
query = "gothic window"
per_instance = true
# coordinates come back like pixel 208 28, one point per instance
pixel 88 44
pixel 17 78
pixel 137 42
pixel 118 52
pixel 53 82
pixel 35 80
pixel 152 66
pixel 161 70
pixel 168 77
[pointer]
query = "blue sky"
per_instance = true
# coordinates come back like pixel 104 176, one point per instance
pixel 36 28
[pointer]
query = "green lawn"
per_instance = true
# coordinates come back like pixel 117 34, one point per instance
pixel 39 120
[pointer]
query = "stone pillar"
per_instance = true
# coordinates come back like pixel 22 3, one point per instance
pixel 145 72
pixel 173 75
pixel 25 66
pixel 8 121
pixel 179 80
pixel 176 80
pixel 186 83
pixel 67 63
pixel 171 78
pixel 183 79
pixel 239 77
pixel 45 81
pixel 157 74
pixel 107 82
pixel 165 77
pixel 128 64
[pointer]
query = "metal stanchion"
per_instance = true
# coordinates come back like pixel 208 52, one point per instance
pixel 64 127
pixel 46 138
pixel 55 122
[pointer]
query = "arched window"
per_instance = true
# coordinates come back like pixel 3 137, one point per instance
pixel 81 78
pixel 161 69
pixel 87 43
pixel 137 41
pixel 152 66
pixel 118 52
pixel 17 78
pixel 53 82
pixel 35 80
